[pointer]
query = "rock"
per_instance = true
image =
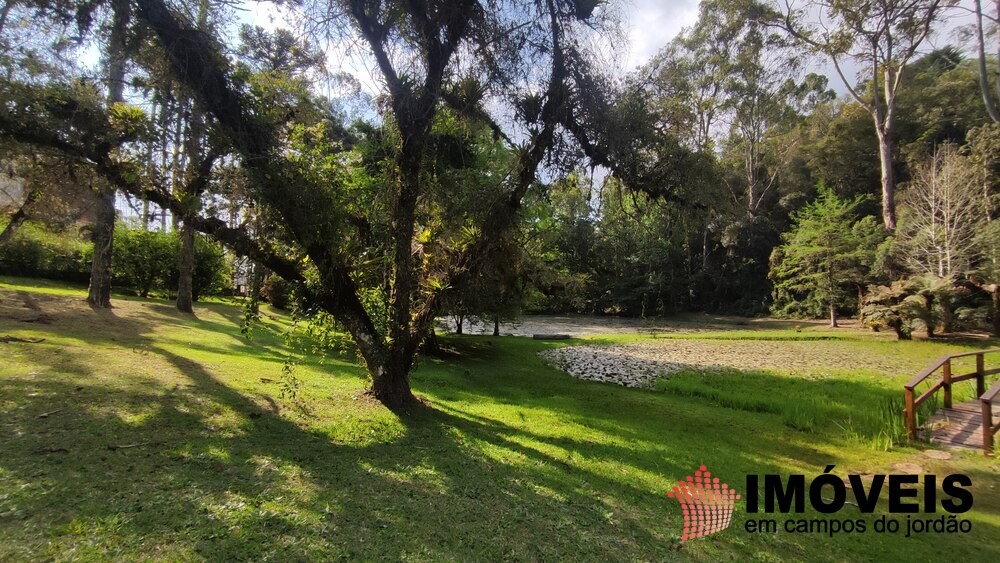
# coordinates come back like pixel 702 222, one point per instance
pixel 910 468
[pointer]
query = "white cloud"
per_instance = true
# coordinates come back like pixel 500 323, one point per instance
pixel 652 24
pixel 267 15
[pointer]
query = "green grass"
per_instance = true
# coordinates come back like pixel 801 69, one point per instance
pixel 508 459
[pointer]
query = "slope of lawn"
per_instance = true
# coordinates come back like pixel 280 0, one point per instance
pixel 141 433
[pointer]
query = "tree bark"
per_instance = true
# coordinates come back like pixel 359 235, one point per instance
pixel 885 140
pixel 995 294
pixel 431 345
pixel 99 294
pixel 994 291
pixel 833 315
pixel 947 315
pixel 991 94
pixel 929 314
pixel 391 385
pixel 185 269
pixel 861 306
pixel 496 325
pixel 18 218
pixel 256 285
pixel 192 194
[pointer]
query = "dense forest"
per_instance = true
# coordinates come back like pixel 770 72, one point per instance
pixel 506 164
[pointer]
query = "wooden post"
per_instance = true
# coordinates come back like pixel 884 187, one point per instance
pixel 980 376
pixel 910 415
pixel 946 372
pixel 987 427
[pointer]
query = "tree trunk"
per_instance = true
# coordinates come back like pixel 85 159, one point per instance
pixel 18 218
pixel 704 250
pixel 193 152
pixel 947 315
pixel 833 315
pixel 185 269
pixel 99 294
pixel 431 345
pixel 902 333
pixel 861 306
pixel 996 310
pixel 391 386
pixel 991 95
pixel 994 291
pixel 929 314
pixel 256 284
pixel 496 325
pixel 459 320
pixel 888 178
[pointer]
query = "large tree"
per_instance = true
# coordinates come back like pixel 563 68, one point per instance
pixel 882 36
pixel 116 54
pixel 989 78
pixel 335 224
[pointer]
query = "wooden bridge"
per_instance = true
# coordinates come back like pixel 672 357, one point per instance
pixel 971 424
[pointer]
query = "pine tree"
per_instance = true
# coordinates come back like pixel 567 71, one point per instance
pixel 826 254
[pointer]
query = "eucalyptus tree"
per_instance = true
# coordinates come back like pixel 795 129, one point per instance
pixel 881 35
pixel 989 78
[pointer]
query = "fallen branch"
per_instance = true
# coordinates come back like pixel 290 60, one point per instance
pixel 42 318
pixel 114 447
pixel 48 414
pixel 51 451
pixel 6 338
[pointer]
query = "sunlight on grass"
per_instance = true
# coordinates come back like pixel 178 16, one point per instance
pixel 508 459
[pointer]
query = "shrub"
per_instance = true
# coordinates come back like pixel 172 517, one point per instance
pixel 33 252
pixel 277 292
pixel 143 260
pixel 212 273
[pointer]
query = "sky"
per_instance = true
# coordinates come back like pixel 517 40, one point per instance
pixel 653 23
pixel 650 25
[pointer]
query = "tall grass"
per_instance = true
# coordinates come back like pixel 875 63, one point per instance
pixel 866 413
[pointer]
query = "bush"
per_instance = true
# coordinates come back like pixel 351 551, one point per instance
pixel 35 253
pixel 277 292
pixel 143 260
pixel 212 269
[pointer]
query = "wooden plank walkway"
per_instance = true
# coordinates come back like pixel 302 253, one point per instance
pixel 960 426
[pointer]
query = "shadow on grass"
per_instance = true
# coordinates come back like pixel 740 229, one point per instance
pixel 487 473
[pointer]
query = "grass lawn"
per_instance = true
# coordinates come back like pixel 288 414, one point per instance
pixel 508 459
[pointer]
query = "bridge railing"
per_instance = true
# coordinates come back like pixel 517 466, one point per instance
pixel 947 380
pixel 989 429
